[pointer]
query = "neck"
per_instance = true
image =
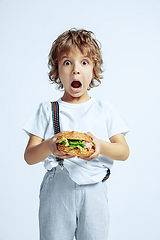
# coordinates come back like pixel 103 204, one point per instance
pixel 75 100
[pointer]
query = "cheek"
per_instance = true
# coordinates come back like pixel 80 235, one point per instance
pixel 64 70
pixel 61 72
pixel 92 74
pixel 91 71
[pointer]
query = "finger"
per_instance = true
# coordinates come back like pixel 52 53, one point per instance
pixel 90 135
pixel 91 157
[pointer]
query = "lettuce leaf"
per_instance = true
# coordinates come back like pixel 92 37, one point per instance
pixel 72 143
pixel 64 141
pixel 76 144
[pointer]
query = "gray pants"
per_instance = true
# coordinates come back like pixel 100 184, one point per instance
pixel 68 209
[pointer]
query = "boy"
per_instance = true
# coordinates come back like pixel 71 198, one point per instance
pixel 73 201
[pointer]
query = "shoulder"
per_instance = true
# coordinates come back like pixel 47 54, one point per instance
pixel 105 105
pixel 44 109
pixel 46 105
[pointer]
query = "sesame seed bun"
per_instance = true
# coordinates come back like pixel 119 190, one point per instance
pixel 76 136
pixel 75 152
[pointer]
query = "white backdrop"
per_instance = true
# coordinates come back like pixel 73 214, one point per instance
pixel 129 32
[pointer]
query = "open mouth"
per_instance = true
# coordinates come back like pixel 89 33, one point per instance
pixel 76 84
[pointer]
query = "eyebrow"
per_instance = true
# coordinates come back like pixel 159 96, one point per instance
pixel 66 56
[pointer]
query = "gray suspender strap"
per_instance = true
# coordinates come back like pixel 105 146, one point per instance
pixel 56 125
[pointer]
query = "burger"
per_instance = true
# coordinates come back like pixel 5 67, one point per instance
pixel 75 143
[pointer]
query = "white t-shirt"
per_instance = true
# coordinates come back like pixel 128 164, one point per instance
pixel 95 116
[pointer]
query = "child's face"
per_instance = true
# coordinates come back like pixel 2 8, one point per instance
pixel 75 71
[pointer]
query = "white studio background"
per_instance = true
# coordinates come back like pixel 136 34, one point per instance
pixel 129 32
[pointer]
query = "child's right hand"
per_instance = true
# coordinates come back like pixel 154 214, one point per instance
pixel 53 148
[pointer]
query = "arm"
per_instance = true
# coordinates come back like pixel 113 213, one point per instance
pixel 117 149
pixel 38 149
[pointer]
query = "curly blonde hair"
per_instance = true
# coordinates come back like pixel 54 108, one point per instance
pixel 86 42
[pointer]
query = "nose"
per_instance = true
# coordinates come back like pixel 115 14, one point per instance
pixel 76 72
pixel 75 69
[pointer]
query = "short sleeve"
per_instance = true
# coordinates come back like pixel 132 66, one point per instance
pixel 38 122
pixel 115 124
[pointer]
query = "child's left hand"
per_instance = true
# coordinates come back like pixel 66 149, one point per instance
pixel 97 148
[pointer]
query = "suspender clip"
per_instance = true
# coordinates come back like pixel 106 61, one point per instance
pixel 61 165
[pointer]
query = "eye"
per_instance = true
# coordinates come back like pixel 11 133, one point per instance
pixel 67 62
pixel 85 62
